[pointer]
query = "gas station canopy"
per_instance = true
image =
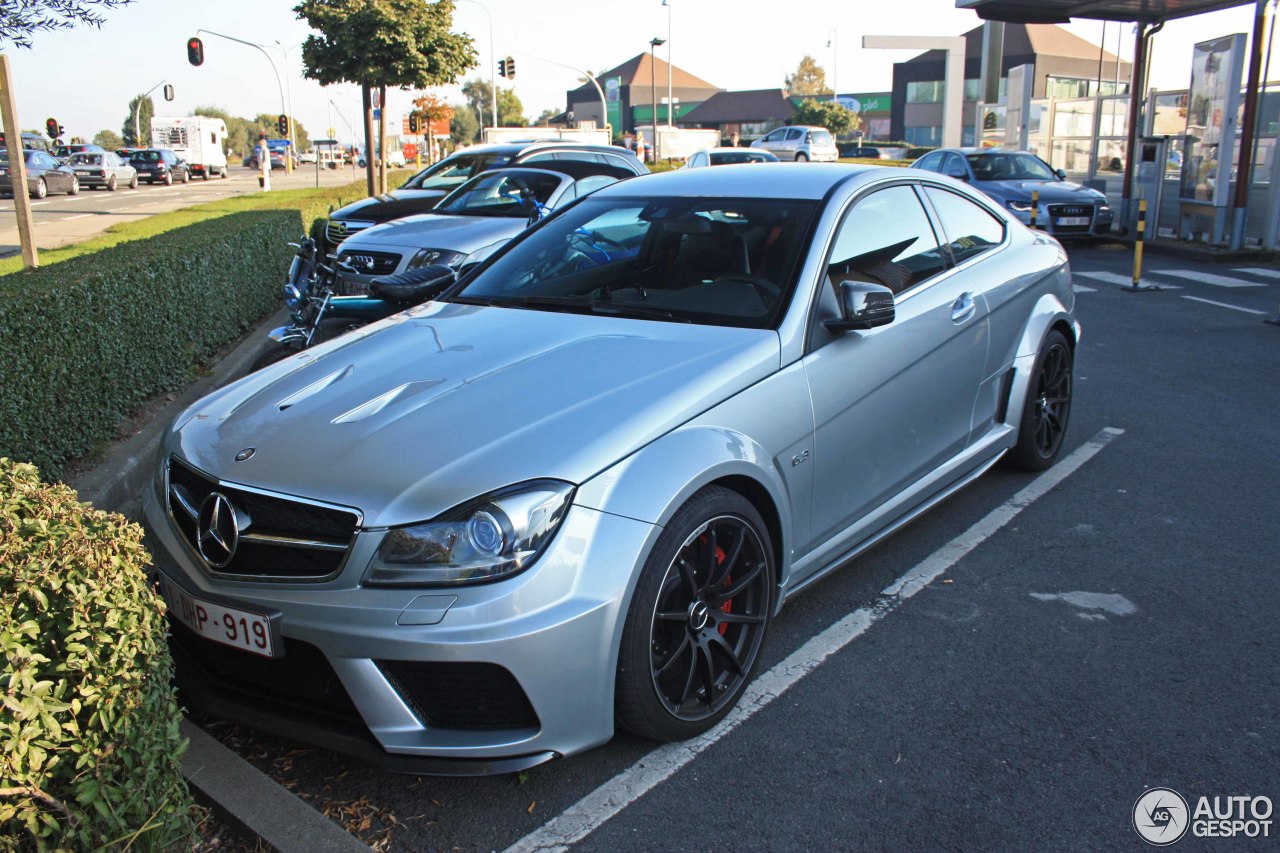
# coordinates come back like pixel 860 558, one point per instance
pixel 1061 11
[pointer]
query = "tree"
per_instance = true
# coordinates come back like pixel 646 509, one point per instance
pixel 822 113
pixel 108 139
pixel 480 97
pixel 242 134
pixel 381 43
pixel 145 111
pixel 544 119
pixel 808 79
pixel 464 127
pixel 20 21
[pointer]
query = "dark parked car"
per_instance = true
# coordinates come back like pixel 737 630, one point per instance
pixel 425 189
pixel 30 141
pixel 44 175
pixel 853 149
pixel 1063 208
pixel 160 165
pixel 64 152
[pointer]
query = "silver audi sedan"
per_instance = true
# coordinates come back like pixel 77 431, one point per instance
pixel 572 492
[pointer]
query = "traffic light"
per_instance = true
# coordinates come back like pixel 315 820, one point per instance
pixel 282 124
pixel 52 128
pixel 168 91
pixel 502 68
pixel 413 122
pixel 511 68
pixel 195 51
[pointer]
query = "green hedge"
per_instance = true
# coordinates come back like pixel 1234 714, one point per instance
pixel 85 341
pixel 89 731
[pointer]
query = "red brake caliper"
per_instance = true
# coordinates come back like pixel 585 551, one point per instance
pixel 727 607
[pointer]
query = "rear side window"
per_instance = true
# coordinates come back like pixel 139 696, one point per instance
pixel 930 162
pixel 886 239
pixel 970 230
pixel 794 133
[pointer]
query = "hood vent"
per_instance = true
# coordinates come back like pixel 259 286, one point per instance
pixel 315 388
pixel 377 404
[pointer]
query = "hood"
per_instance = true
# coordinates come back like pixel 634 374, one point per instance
pixel 1054 192
pixel 432 231
pixel 443 403
pixel 393 205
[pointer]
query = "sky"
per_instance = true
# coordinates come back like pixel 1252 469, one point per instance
pixel 85 77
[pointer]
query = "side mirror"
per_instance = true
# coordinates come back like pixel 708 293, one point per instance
pixel 1061 173
pixel 862 306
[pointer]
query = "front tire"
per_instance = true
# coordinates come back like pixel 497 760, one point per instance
pixel 697 619
pixel 1048 407
pixel 168 179
pixel 133 182
pixel 75 186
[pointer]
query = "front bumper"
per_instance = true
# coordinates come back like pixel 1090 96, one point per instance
pixel 1047 221
pixel 555 628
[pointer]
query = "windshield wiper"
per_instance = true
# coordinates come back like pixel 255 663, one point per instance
pixel 584 306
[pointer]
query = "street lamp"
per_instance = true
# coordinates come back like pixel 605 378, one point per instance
pixel 288 90
pixel 493 61
pixel 137 131
pixel 670 101
pixel 654 44
pixel 834 43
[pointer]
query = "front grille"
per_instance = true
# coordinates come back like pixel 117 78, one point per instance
pixel 285 538
pixel 300 683
pixel 336 230
pixel 1058 210
pixel 371 263
pixel 447 695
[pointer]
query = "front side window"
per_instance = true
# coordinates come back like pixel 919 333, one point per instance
pixel 86 159
pixel 776 136
pixel 931 162
pixel 499 194
pixel 729 262
pixel 970 229
pixel 453 171
pixel 886 239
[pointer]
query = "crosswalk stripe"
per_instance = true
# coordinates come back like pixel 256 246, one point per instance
pixel 1224 305
pixel 1265 273
pixel 1116 278
pixel 1209 278
pixel 1080 288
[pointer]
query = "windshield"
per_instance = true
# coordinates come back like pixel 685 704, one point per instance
pixel 1010 167
pixel 726 262
pixel 86 159
pixel 725 158
pixel 453 171
pixel 500 194
pixel 146 156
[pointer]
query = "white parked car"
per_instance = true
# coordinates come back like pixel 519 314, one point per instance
pixel 801 144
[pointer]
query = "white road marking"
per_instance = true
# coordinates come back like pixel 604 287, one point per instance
pixel 81 216
pixel 1265 273
pixel 596 808
pixel 73 198
pixel 1224 305
pixel 1080 288
pixel 129 192
pixel 1117 279
pixel 38 203
pixel 1209 278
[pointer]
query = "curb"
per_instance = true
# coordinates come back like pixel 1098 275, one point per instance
pixel 240 793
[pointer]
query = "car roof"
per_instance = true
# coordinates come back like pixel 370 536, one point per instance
pixel 747 180
pixel 514 148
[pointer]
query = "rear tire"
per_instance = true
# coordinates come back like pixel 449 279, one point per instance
pixel 75 186
pixel 42 189
pixel 697 619
pixel 168 179
pixel 1047 410
pixel 111 184
pixel 133 183
pixel 801 157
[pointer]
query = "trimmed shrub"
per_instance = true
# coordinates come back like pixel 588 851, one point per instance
pixel 89 726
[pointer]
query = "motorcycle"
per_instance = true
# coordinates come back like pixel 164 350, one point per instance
pixel 317 313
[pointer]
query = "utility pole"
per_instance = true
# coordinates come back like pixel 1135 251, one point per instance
pixel 17 165
pixel 137 127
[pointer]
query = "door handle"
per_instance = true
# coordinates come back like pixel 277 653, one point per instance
pixel 963 308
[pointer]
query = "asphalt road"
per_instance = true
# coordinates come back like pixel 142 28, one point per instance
pixel 63 219
pixel 995 709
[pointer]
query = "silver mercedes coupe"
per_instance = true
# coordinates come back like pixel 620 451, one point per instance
pixel 571 493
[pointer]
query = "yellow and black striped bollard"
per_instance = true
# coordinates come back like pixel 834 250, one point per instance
pixel 1035 206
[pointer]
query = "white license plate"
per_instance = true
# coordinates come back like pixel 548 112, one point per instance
pixel 1069 221
pixel 240 629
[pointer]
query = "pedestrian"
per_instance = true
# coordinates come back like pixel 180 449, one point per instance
pixel 734 139
pixel 263 153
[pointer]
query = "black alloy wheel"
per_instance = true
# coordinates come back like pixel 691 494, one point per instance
pixel 1048 407
pixel 697 620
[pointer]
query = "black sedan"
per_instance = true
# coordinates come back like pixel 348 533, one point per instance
pixel 160 165
pixel 44 175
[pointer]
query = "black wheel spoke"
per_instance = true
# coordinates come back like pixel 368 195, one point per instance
pixel 738 619
pixel 742 582
pixel 730 559
pixel 722 644
pixel 710 556
pixel 686 572
pixel 688 679
pixel 666 667
pixel 703 653
pixel 672 615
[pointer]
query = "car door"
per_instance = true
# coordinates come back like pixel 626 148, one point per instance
pixel 894 403
pixel 55 179
pixel 773 141
pixel 791 143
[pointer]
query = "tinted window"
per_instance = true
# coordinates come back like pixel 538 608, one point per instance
pixel 724 158
pixel 500 194
pixel 628 163
pixel 1010 167
pixel 794 133
pixel 452 171
pixel 930 162
pixel 775 136
pixel 706 260
pixel 886 239
pixel 969 228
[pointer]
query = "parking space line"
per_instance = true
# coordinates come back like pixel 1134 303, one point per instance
pixel 602 804
pixel 1224 305
pixel 1116 279
pixel 1080 288
pixel 1209 278
pixel 1265 273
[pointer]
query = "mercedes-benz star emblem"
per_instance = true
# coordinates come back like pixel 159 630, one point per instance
pixel 218 530
pixel 246 453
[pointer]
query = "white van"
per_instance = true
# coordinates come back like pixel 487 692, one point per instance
pixel 200 140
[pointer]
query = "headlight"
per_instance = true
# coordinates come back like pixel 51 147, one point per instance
pixel 1104 208
pixel 1019 206
pixel 292 296
pixel 435 256
pixel 488 539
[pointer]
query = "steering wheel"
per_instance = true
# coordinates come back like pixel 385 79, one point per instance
pixel 763 286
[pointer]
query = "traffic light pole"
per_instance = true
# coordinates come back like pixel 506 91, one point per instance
pixel 137 126
pixel 17 166
pixel 284 105
pixel 604 110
